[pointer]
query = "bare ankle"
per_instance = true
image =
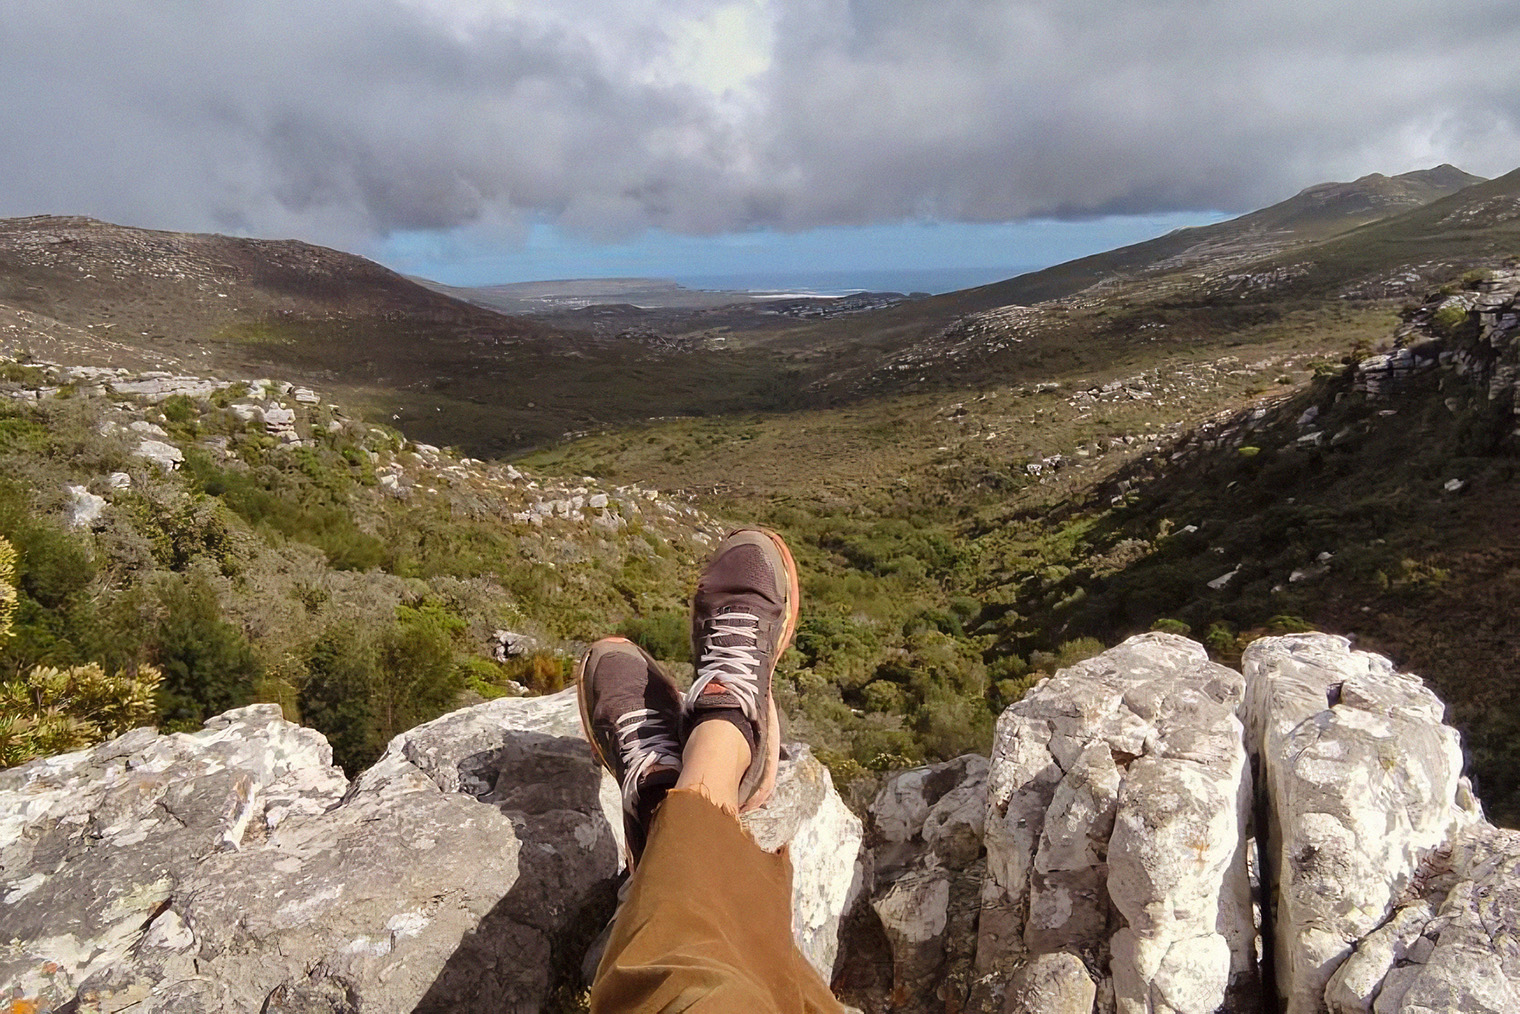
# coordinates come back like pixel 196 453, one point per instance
pixel 715 759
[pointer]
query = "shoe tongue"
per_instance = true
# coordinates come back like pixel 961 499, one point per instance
pixel 625 679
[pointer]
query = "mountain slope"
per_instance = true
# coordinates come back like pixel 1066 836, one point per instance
pixel 1165 268
pixel 86 272
pixel 1399 255
pixel 1312 215
pixel 454 372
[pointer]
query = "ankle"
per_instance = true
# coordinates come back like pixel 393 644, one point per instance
pixel 714 761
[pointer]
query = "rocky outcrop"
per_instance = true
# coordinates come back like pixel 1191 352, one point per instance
pixel 822 837
pixel 1124 802
pixel 1097 864
pixel 1116 832
pixel 1364 782
pixel 1474 334
pixel 235 869
pixel 1453 947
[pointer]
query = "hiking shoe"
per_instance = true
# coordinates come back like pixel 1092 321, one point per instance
pixel 631 714
pixel 742 618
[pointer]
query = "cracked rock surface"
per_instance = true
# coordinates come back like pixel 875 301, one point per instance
pixel 1364 783
pixel 1116 834
pixel 234 869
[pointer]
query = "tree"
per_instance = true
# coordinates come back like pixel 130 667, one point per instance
pixel 49 710
pixel 337 698
pixel 208 665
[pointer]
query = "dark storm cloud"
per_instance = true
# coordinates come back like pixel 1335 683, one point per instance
pixel 348 119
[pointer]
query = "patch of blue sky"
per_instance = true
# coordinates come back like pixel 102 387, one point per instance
pixel 946 252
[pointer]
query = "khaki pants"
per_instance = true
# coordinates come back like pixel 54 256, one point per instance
pixel 707 925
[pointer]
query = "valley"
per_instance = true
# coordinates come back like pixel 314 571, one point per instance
pixel 981 487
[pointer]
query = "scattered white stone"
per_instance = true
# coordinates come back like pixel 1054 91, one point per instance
pixel 165 456
pixel 1454 485
pixel 120 480
pixel 84 507
pixel 1224 579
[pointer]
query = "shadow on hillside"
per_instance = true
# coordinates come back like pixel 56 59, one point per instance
pixel 531 943
pixel 1356 534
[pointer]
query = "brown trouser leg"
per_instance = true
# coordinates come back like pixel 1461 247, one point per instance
pixel 707 925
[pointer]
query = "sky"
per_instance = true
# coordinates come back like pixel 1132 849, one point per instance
pixel 503 140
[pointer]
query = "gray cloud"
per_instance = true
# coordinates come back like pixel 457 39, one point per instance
pixel 350 119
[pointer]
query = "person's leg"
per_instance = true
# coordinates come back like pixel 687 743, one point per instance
pixel 706 926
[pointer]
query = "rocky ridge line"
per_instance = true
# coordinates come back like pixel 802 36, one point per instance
pixel 1105 860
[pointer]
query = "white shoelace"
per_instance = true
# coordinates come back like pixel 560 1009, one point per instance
pixel 735 666
pixel 645 739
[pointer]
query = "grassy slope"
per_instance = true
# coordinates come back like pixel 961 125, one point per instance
pixel 1312 216
pixel 1419 575
pixel 942 574
pixel 1425 576
pixel 1477 224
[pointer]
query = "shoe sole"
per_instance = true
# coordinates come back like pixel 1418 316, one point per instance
pixel 762 791
pixel 585 713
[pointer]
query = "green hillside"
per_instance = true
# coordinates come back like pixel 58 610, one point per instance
pixel 973 506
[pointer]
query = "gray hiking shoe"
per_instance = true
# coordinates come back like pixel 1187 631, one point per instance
pixel 631 714
pixel 742 618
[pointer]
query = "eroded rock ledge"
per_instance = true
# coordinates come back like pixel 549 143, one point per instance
pixel 1153 834
pixel 1124 809
pixel 236 870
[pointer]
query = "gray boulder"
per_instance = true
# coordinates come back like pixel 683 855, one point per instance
pixel 926 829
pixel 1454 947
pixel 1056 983
pixel 1362 782
pixel 85 507
pixel 165 456
pixel 822 838
pixel 1116 827
pixel 235 869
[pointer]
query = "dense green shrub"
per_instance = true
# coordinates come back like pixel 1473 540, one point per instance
pixel 306 504
pixel 47 710
pixel 208 665
pixel 665 635
pixel 336 698
pixel 361 689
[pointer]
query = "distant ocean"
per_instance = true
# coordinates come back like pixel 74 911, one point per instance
pixel 840 283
